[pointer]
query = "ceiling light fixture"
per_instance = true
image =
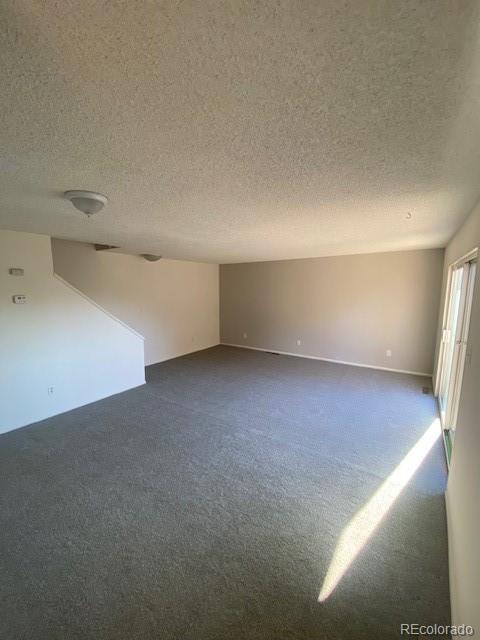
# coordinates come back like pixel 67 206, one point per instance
pixel 87 202
pixel 150 257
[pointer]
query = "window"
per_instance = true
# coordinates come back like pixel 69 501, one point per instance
pixel 454 345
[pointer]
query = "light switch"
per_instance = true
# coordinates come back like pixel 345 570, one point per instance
pixel 15 271
pixel 19 299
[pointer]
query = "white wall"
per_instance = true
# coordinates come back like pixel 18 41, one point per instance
pixel 347 308
pixel 463 490
pixel 57 339
pixel 173 304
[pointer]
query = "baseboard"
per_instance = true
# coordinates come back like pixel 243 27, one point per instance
pixel 48 415
pixel 181 354
pixel 303 355
pixel 451 560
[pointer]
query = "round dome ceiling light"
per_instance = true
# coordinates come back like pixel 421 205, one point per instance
pixel 150 257
pixel 88 202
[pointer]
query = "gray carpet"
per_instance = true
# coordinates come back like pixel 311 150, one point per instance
pixel 208 503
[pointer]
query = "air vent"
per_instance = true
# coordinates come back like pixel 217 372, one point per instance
pixel 104 247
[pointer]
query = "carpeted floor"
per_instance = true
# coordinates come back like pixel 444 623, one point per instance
pixel 208 504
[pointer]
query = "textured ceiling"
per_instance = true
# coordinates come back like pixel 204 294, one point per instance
pixel 235 131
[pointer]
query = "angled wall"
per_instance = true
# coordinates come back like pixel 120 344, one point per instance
pixel 463 489
pixel 58 350
pixel 172 303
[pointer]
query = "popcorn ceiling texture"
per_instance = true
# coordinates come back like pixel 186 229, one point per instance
pixel 240 131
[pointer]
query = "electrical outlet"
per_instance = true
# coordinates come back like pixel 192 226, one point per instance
pixel 299 342
pixel 245 336
pixel 50 391
pixel 388 353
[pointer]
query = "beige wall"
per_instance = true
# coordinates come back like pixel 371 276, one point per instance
pixel 56 341
pixel 172 303
pixel 349 308
pixel 463 491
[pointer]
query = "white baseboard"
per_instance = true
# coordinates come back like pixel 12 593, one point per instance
pixel 180 354
pixel 303 355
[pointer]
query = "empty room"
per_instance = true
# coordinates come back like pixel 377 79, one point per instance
pixel 239 320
